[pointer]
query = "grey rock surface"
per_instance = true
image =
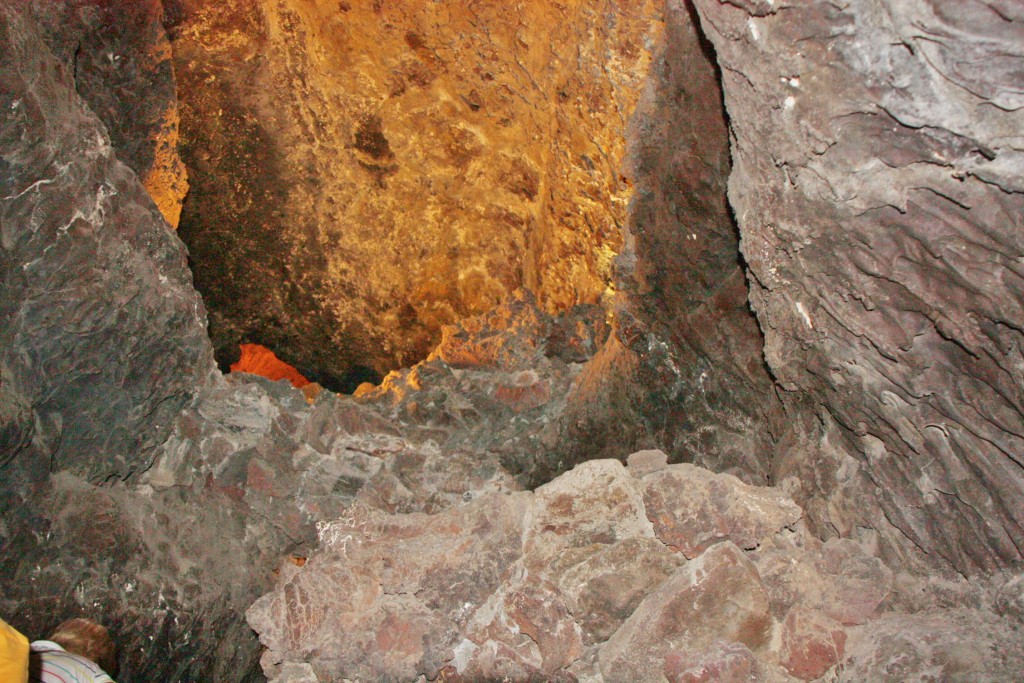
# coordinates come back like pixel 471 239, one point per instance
pixel 103 339
pixel 878 182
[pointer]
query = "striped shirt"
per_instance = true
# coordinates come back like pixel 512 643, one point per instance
pixel 50 663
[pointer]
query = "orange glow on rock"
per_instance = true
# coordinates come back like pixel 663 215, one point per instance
pixel 259 360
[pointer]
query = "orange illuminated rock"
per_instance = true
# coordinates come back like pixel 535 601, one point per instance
pixel 393 168
pixel 259 360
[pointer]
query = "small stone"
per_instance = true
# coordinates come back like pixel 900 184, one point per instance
pixel 645 462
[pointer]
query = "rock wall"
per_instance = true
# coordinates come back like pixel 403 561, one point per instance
pixel 877 183
pixel 120 58
pixel 103 338
pixel 684 371
pixel 879 186
pixel 365 172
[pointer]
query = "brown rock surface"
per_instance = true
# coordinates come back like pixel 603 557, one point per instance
pixel 393 168
pixel 120 60
pixel 529 586
pixel 811 644
pixel 721 663
pixel 399 588
pixel 879 208
pixel 103 338
pixel 956 646
pixel 690 352
pixel 717 596
pixel 602 590
pixel 879 188
pixel 692 509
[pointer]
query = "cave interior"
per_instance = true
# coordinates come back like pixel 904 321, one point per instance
pixel 590 340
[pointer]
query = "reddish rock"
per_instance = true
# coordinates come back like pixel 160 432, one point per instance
pixel 605 588
pixel 723 662
pixel 505 338
pixel 594 503
pixel 786 566
pixel 812 643
pixel 717 596
pixel 259 360
pixel 260 479
pixel 956 645
pixel 523 397
pixel 400 588
pixel 692 509
pixel 855 583
pixel 539 612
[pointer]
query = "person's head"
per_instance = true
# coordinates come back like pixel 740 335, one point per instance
pixel 88 639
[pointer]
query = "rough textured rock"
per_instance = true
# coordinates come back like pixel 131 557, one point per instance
pixel 685 371
pixel 721 663
pixel 399 589
pixel 528 586
pixel 452 151
pixel 811 644
pixel 880 213
pixel 717 596
pixel 121 64
pixel 168 573
pixel 103 339
pixel 497 383
pixel 955 645
pixel 879 185
pixel 692 509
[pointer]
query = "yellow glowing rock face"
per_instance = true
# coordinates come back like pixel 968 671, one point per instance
pixel 435 156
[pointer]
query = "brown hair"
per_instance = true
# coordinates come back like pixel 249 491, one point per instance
pixel 88 639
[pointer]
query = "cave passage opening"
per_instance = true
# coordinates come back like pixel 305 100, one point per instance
pixel 363 175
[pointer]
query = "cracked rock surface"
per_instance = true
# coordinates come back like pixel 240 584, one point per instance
pixel 434 525
pixel 579 581
pixel 366 172
pixel 103 338
pixel 878 181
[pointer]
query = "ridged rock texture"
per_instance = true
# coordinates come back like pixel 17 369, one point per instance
pixel 366 172
pixel 879 187
pixel 121 62
pixel 103 338
pixel 838 499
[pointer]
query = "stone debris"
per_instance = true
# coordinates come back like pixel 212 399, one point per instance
pixel 573 582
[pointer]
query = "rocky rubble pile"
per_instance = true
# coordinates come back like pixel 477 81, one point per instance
pixel 651 572
pixel 389 541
